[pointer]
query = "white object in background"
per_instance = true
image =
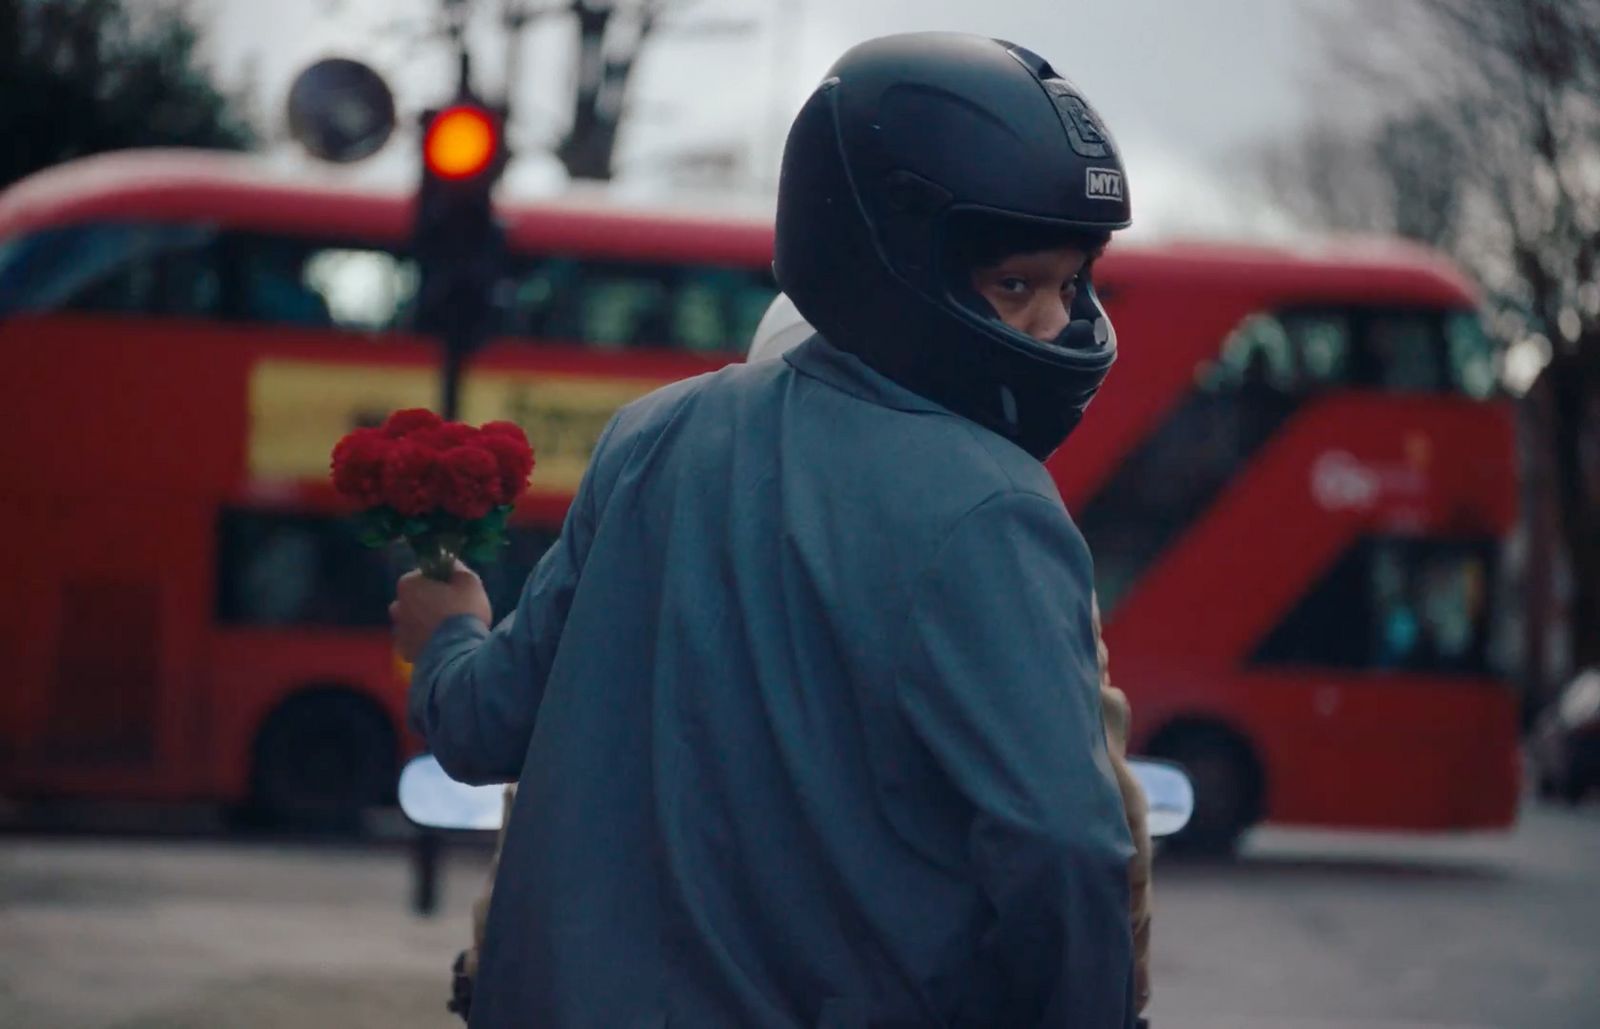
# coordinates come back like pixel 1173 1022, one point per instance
pixel 781 329
pixel 432 799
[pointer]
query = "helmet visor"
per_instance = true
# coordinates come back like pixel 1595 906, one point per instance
pixel 976 244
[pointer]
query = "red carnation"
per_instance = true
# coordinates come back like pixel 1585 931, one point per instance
pixel 470 481
pixel 513 460
pixel 446 436
pixel 508 429
pixel 410 485
pixel 358 463
pixel 440 486
pixel 415 419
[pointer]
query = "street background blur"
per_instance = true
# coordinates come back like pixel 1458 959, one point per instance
pixel 251 881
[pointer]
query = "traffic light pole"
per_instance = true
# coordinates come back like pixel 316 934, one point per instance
pixel 450 379
pixel 460 251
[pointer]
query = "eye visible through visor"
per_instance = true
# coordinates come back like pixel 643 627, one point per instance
pixel 1033 276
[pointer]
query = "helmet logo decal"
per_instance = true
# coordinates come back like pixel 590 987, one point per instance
pixel 1088 139
pixel 1105 184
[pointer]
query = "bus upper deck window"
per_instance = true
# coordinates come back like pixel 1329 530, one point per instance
pixel 1257 355
pixel 282 280
pixel 1404 351
pixel 624 311
pixel 699 317
pixel 126 267
pixel 614 304
pixel 355 289
pixel 1288 352
pixel 1472 361
pixel 1322 342
pixel 718 309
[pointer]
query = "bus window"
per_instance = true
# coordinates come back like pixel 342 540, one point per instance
pixel 1322 345
pixel 282 569
pixel 281 280
pixel 365 290
pixel 194 271
pixel 114 267
pixel 290 569
pixel 719 308
pixel 1403 348
pixel 699 317
pixel 1281 352
pixel 1258 353
pixel 628 309
pixel 1394 604
pixel 537 298
pixel 620 304
pixel 1471 355
pixel 1302 350
pixel 609 305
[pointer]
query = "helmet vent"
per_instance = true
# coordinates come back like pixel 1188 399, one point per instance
pixel 1033 62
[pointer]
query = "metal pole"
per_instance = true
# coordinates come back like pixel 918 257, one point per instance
pixel 425 873
pixel 456 340
pixel 427 853
pixel 450 380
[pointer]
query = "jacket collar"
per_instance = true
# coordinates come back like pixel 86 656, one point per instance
pixel 823 361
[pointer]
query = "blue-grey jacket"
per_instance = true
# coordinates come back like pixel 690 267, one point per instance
pixel 804 708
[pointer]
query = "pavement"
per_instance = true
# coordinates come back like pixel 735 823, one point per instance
pixel 1305 930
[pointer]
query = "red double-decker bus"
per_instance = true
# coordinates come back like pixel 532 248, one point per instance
pixel 1295 483
pixel 1297 489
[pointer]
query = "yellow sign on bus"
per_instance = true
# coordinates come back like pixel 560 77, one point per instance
pixel 299 409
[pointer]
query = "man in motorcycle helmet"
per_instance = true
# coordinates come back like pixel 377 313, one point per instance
pixel 1009 281
pixel 804 700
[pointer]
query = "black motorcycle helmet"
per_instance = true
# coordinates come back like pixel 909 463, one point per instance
pixel 913 146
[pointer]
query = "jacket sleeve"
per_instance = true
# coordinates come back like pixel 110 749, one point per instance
pixel 999 681
pixel 475 693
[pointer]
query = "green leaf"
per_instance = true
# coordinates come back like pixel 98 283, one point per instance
pixel 372 528
pixel 389 521
pixel 416 527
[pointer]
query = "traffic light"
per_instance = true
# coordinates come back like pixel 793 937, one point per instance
pixel 461 142
pixel 460 247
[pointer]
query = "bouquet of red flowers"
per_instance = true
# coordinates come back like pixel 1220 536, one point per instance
pixel 444 487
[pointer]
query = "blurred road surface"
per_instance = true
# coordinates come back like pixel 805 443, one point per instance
pixel 1307 931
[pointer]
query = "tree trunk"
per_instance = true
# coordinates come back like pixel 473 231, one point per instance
pixel 607 52
pixel 1575 394
pixel 589 150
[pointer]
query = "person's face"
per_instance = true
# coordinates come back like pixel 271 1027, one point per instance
pixel 1033 292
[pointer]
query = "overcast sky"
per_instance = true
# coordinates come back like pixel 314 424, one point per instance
pixel 1187 86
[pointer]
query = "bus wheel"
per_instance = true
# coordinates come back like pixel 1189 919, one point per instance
pixel 1227 787
pixel 320 759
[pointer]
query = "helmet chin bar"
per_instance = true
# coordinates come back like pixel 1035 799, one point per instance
pixel 1090 327
pixel 1089 330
